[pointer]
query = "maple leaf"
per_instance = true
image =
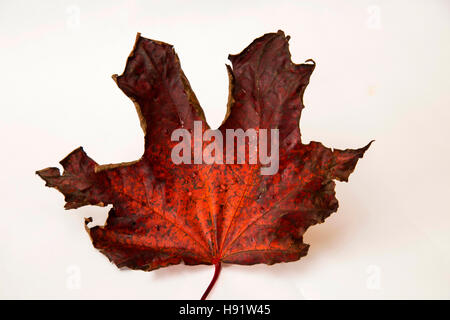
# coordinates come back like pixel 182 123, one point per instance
pixel 164 214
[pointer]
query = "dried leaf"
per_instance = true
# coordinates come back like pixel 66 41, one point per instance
pixel 164 214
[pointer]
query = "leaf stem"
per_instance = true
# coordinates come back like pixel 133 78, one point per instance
pixel 218 266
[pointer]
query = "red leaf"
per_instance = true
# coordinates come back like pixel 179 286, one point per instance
pixel 165 213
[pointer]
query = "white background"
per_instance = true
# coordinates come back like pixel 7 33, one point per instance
pixel 382 73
